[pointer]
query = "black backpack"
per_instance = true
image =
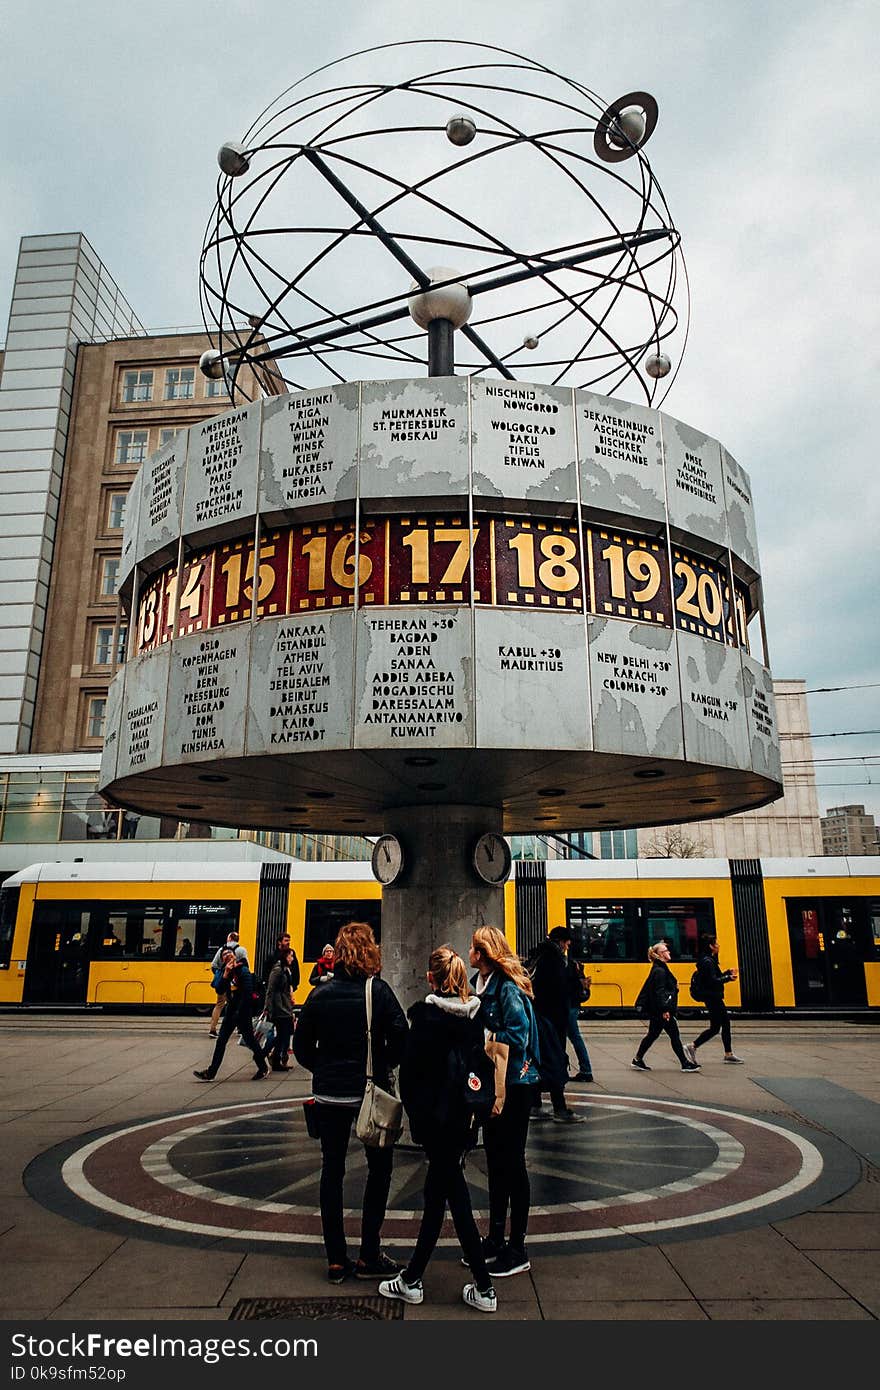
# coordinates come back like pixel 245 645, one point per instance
pixel 470 1082
pixel 642 1001
pixel 696 987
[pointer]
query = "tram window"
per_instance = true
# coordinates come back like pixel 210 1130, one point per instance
pixel 853 931
pixel 624 931
pixel 197 930
pixel 157 931
pixel 604 931
pixel 681 925
pixel 324 918
pixel 8 914
pixel 128 932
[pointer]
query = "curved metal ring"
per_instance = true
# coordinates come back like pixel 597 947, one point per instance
pixel 601 144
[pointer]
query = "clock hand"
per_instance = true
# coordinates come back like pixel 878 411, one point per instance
pixel 489 855
pixel 386 853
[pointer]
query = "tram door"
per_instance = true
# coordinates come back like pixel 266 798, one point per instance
pixel 58 959
pixel 828 951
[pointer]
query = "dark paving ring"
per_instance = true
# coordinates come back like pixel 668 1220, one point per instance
pixel 638 1171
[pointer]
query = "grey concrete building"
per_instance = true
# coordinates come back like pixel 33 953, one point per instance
pixel 788 828
pixel 86 394
pixel 63 296
pixel 849 830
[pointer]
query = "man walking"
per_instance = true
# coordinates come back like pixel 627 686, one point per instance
pixel 239 1014
pixel 552 1010
pixel 578 993
pixel 229 945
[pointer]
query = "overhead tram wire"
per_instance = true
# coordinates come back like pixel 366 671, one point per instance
pixel 823 690
pixel 840 733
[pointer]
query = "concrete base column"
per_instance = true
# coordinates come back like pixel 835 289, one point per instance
pixel 439 899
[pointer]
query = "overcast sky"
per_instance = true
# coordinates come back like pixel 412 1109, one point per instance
pixel 765 149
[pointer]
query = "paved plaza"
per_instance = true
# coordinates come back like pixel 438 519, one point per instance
pixel 132 1191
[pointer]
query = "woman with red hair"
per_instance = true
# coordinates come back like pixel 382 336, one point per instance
pixel 331 1042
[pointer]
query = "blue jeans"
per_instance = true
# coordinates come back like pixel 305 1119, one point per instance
pixel 577 1042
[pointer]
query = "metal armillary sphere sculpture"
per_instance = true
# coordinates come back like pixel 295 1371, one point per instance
pixel 337 208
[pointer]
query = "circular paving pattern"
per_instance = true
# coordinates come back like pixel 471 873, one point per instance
pixel 636 1171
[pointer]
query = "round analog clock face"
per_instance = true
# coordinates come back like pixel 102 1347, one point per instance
pixel 387 859
pixel 492 858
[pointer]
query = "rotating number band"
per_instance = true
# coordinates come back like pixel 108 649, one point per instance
pixel 439 559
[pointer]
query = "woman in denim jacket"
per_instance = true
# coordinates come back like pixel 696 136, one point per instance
pixel 505 993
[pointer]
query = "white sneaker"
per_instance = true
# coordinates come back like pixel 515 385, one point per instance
pixel 737 1061
pixel 485 1302
pixel 690 1052
pixel 399 1288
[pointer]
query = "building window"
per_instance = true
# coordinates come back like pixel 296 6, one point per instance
pixel 180 383
pixel 96 709
pixel 131 448
pixel 137 386
pixel 109 576
pixel 102 652
pixel 103 649
pixel 215 387
pixel 166 436
pixel 116 510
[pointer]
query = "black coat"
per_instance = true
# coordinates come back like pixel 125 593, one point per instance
pixel 331 1036
pixel 712 978
pixel 660 990
pixel 550 983
pixel 275 959
pixel 279 1005
pixel 240 989
pixel 578 990
pixel 438 1025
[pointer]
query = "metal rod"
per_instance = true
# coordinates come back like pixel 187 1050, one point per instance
pixel 387 241
pixel 441 348
pixel 474 337
pixel 623 243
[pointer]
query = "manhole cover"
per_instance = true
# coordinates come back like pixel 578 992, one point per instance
pixel 371 1308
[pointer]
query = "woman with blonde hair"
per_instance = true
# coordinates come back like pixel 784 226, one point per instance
pixel 658 999
pixel 505 993
pixel 443 1028
pixel 331 1042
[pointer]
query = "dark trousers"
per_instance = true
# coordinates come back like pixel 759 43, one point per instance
pixel 233 1018
pixel 659 1025
pixel 719 1022
pixel 445 1182
pixel 504 1141
pixel 277 1053
pixel 557 1097
pixel 334 1130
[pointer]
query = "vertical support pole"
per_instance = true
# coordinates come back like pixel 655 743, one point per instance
pixel 441 348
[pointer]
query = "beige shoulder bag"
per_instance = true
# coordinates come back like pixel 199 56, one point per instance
pixel 380 1118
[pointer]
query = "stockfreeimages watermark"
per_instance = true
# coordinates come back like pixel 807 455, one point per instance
pixel 35 1357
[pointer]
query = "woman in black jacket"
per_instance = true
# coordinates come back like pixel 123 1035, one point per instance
pixel 712 981
pixel 659 997
pixel 331 1042
pixel 443 1026
pixel 279 1010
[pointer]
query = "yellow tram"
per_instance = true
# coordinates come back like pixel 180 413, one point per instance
pixel 803 934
